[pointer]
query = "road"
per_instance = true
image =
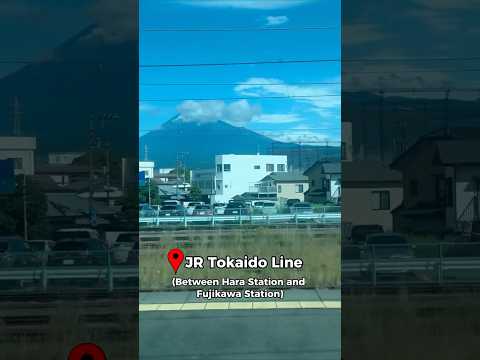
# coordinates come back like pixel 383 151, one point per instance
pixel 306 329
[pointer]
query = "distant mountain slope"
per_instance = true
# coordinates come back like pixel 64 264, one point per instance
pixel 201 142
pixel 85 77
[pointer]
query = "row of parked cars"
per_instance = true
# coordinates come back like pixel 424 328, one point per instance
pixel 233 207
pixel 69 247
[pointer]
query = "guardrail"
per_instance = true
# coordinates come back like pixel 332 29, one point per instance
pixel 415 264
pixel 42 271
pixel 320 218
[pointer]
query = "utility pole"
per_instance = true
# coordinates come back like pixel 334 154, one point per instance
pixel 447 110
pixel 90 171
pixel 149 193
pixel 380 127
pixel 25 220
pixel 17 117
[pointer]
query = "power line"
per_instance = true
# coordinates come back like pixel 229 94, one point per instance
pixel 244 98
pixel 239 29
pixel 260 62
pixel 306 61
pixel 240 84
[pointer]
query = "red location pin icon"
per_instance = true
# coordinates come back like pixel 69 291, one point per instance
pixel 86 351
pixel 175 258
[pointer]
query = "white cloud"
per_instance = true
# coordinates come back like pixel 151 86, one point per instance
pixel 115 19
pixel 322 99
pixel 276 20
pixel 277 118
pixel 301 135
pixel 247 4
pixel 237 113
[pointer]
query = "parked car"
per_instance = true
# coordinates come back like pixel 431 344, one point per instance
pixel 148 211
pixel 41 246
pixel 236 208
pixel 191 206
pixel 219 208
pixel 359 233
pixel 133 255
pixel 291 202
pixel 301 208
pixel 388 246
pixel 16 252
pixel 265 207
pixel 202 210
pixel 78 253
pixel 76 233
pixel 172 210
pixel 170 202
pixel 122 247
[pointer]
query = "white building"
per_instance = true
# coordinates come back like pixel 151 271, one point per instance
pixel 237 174
pixel 22 150
pixel 147 167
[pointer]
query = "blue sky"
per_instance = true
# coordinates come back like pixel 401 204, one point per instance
pixel 306 119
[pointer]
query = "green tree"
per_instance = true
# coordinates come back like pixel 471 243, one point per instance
pixel 11 211
pixel 195 193
pixel 143 193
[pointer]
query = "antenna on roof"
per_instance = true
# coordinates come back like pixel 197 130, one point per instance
pixel 17 117
pixel 145 156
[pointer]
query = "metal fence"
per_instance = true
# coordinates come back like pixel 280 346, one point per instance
pixel 412 264
pixel 243 218
pixel 43 270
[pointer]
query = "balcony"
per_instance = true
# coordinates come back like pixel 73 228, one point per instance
pixel 264 189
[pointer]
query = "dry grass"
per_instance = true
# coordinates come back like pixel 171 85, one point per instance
pixel 320 253
pixel 53 341
pixel 397 328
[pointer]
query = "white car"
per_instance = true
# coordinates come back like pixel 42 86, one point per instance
pixel 219 208
pixel 41 245
pixel 122 247
pixel 191 206
pixel 76 234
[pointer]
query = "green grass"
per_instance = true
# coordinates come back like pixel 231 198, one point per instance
pixel 320 253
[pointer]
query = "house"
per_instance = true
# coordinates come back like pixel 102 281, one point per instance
pixel 63 158
pixel 286 185
pixel 237 174
pixel 147 167
pixel 324 180
pixel 370 190
pixel 441 181
pixel 204 179
pixel 22 150
pixel 64 175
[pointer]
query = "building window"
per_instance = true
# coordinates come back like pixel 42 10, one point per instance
pixel 257 167
pixel 227 167
pixel 280 167
pixel 279 188
pixel 299 188
pixel 219 168
pixel 219 184
pixel 413 187
pixel 380 200
pixel 270 168
pixel 18 163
